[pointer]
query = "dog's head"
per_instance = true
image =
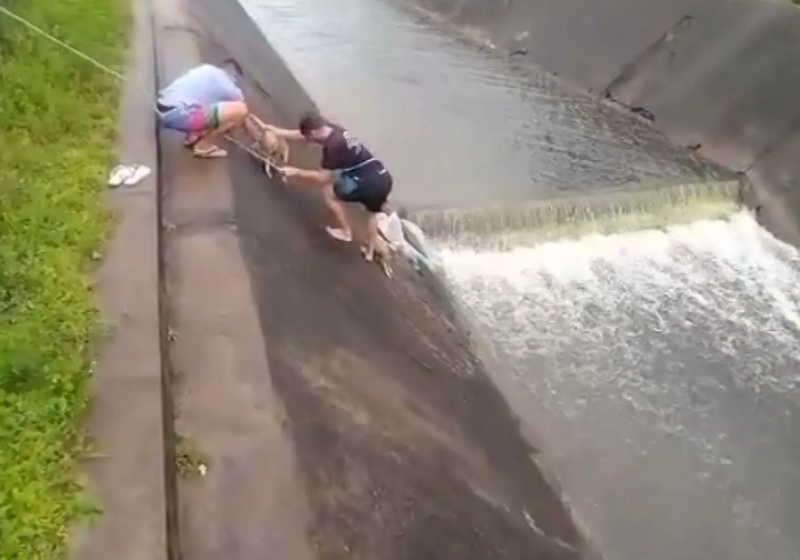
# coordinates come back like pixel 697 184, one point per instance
pixel 277 148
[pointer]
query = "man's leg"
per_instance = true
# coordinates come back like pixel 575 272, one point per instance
pixel 373 196
pixel 216 122
pixel 343 232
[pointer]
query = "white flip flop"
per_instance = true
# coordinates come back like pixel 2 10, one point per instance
pixel 139 172
pixel 339 234
pixel 119 174
pixel 211 152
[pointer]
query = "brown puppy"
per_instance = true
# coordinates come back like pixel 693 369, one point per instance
pixel 275 150
pixel 268 145
pixel 383 255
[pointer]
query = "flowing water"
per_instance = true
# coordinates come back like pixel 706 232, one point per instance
pixel 661 372
pixel 455 126
pixel 659 369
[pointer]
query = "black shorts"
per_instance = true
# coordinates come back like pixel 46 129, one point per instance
pixel 371 189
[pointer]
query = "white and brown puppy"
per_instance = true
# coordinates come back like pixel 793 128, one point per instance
pixel 275 150
pixel 383 255
pixel 387 245
pixel 267 144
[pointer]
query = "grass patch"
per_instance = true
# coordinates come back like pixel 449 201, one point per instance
pixel 58 136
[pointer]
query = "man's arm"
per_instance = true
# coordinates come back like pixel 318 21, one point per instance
pixel 285 133
pixel 309 176
pixel 256 128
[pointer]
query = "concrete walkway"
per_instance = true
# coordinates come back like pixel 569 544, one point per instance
pixel 250 505
pixel 126 421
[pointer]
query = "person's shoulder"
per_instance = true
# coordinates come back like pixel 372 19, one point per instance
pixel 204 68
pixel 222 77
pixel 207 69
pixel 336 136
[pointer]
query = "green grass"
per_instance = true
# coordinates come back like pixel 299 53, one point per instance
pixel 57 139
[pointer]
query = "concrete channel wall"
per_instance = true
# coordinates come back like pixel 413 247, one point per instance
pixel 722 74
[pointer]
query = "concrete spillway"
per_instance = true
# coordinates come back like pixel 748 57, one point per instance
pixel 654 370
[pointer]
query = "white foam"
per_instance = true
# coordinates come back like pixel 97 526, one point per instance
pixel 712 292
pixel 659 360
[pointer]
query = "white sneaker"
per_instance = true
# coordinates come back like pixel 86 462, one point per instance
pixel 139 172
pixel 339 234
pixel 119 174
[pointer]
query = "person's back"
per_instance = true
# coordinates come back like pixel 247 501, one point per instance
pixel 205 103
pixel 203 85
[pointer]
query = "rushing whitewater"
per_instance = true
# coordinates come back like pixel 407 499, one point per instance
pixel 661 370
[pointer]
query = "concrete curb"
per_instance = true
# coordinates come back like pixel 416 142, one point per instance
pixel 127 414
pixel 247 499
pixel 174 549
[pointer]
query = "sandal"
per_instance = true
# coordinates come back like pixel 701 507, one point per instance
pixel 210 152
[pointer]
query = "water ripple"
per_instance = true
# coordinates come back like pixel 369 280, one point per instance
pixel 455 124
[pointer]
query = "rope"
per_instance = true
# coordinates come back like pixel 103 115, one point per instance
pixel 115 74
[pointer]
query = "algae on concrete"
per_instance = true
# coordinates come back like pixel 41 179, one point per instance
pixel 506 226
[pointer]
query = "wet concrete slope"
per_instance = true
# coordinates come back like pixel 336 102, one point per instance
pixel 720 74
pixel 405 448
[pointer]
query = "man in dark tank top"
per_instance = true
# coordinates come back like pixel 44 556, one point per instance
pixel 348 172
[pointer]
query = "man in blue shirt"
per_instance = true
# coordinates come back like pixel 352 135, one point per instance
pixel 205 103
pixel 348 173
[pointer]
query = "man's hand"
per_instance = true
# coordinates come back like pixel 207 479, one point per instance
pixel 310 177
pixel 290 172
pixel 285 133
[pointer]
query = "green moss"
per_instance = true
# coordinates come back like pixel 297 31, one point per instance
pixel 57 140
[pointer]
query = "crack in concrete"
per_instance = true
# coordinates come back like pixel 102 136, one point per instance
pixel 641 59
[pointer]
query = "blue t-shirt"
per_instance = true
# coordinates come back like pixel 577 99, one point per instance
pixel 203 85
